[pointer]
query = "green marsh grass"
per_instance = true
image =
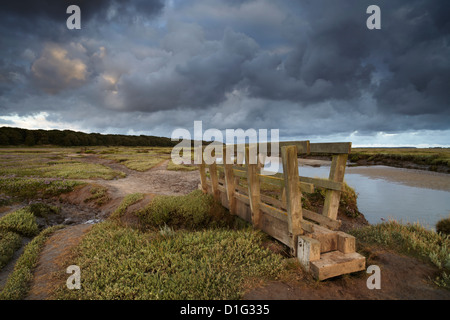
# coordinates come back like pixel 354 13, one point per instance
pixel 9 243
pixel 129 200
pixel 125 263
pixel 193 211
pixel 21 221
pixel 18 282
pixel 411 239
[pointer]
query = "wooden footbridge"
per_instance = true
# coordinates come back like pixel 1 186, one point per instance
pixel 311 236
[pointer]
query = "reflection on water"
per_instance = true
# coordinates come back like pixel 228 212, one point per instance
pixel 401 194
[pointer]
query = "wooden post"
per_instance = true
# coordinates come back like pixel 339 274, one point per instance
pixel 283 196
pixel 202 169
pixel 229 181
pixel 253 187
pixel 293 194
pixel 214 181
pixel 332 197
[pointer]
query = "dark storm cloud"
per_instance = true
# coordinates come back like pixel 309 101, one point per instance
pixel 55 10
pixel 230 63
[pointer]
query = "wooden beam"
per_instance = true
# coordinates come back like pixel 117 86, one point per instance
pixel 241 189
pixel 273 202
pixel 242 197
pixel 214 181
pixel 239 173
pixel 305 182
pixel 271 180
pixel 274 212
pixel 229 184
pixel 202 170
pixel 276 181
pixel 303 147
pixel 253 186
pixel 293 194
pixel 332 197
pixel 322 183
pixel 333 148
pixel 321 219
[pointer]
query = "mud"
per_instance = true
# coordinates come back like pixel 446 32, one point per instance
pixel 402 278
pixel 157 180
pixel 53 260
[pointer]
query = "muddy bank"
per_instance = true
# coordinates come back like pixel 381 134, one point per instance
pixel 398 163
pixel 379 160
pixel 402 278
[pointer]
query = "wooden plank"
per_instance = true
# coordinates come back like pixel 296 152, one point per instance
pixel 239 173
pixel 214 181
pixel 274 221
pixel 202 170
pixel 322 183
pixel 332 197
pixel 253 187
pixel 293 194
pixel 346 242
pixel 221 189
pixel 279 182
pixel 321 220
pixel 274 212
pixel 242 197
pixel 276 181
pixel 240 168
pixel 328 239
pixel 229 183
pixel 306 187
pixel 308 250
pixel 303 147
pixel 275 226
pixel 273 202
pixel 333 148
pixel 241 189
pixel 306 182
pixel 336 263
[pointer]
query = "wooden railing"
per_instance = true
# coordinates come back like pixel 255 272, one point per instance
pixel 243 190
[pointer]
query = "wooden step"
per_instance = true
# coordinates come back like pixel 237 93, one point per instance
pixel 333 240
pixel 336 263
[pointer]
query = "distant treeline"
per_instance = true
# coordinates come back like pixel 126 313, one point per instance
pixel 67 138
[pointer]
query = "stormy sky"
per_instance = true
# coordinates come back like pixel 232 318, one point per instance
pixel 311 69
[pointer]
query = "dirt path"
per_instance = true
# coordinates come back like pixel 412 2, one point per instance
pixel 53 261
pixel 157 180
pixel 402 278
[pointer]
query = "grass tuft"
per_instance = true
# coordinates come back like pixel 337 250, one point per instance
pixel 9 243
pixel 193 211
pixel 99 195
pixel 21 221
pixel 129 200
